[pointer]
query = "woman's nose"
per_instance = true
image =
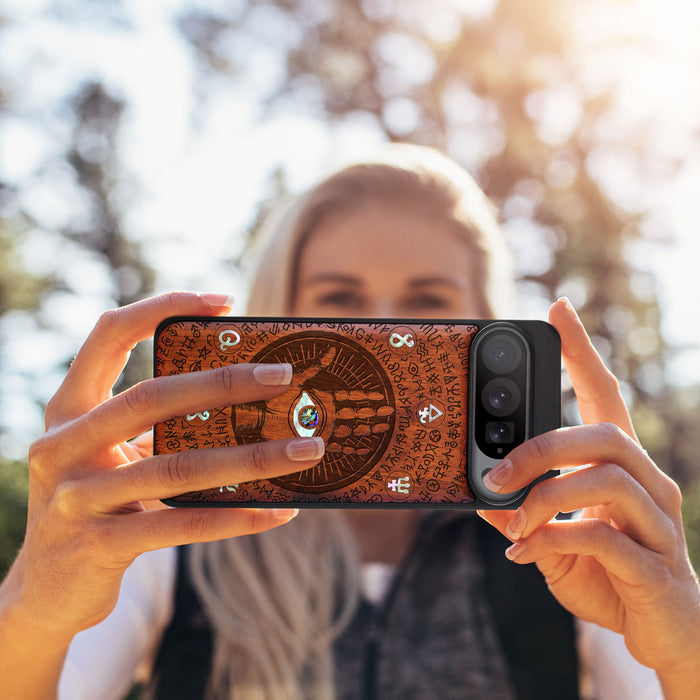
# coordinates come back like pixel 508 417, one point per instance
pixel 383 308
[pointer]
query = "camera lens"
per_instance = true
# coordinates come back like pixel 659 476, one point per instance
pixel 500 396
pixel 499 432
pixel 502 353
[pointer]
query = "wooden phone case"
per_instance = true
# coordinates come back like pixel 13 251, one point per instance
pixel 389 398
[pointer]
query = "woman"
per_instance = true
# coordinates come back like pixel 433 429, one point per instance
pixel 275 602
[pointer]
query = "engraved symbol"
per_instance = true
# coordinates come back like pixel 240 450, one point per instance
pixel 202 415
pixel 430 413
pixel 433 485
pixel 231 489
pixel 401 485
pixel 228 338
pixel 402 340
pixel 398 341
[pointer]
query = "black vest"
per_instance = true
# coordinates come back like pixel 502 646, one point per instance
pixel 534 634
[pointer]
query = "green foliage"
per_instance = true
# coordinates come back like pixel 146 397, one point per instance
pixel 14 483
pixel 18 289
pixel 691 521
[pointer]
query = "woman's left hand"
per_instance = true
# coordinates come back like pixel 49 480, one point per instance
pixel 623 564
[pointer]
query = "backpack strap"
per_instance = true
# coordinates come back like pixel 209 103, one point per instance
pixel 183 664
pixel 536 633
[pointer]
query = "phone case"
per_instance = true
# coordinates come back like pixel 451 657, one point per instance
pixel 389 398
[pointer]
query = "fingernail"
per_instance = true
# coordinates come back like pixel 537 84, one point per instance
pixel 515 550
pixel 218 300
pixel 273 374
pixel 285 513
pixel 305 449
pixel 499 476
pixel 569 306
pixel 517 525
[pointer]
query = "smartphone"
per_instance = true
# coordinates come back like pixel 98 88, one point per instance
pixel 413 413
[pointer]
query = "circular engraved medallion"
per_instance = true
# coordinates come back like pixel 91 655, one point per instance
pixel 402 340
pixel 339 392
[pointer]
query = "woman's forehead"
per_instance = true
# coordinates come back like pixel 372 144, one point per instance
pixel 380 238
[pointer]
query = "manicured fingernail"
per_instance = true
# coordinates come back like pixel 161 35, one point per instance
pixel 499 476
pixel 569 306
pixel 517 525
pixel 305 449
pixel 218 300
pixel 285 513
pixel 274 374
pixel 515 550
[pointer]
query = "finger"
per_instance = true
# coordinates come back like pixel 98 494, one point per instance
pixel 497 518
pixel 596 388
pixel 142 532
pixel 155 400
pixel 138 448
pixel 102 357
pixel 606 486
pixel 614 550
pixel 143 444
pixel 579 445
pixel 165 476
pixel 131 452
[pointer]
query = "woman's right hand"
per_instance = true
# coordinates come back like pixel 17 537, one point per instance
pixel 87 518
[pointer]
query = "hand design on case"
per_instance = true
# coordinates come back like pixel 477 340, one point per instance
pixel 336 417
pixel 335 394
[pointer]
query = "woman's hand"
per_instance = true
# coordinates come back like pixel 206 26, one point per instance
pixel 624 564
pixel 87 518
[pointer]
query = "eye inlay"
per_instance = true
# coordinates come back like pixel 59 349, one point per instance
pixel 305 416
pixel 308 417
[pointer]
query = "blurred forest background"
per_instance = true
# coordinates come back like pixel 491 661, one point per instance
pixel 580 119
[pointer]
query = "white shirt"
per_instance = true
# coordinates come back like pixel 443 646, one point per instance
pixel 105 661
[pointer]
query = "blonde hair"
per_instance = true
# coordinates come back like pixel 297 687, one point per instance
pixel 277 600
pixel 404 175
